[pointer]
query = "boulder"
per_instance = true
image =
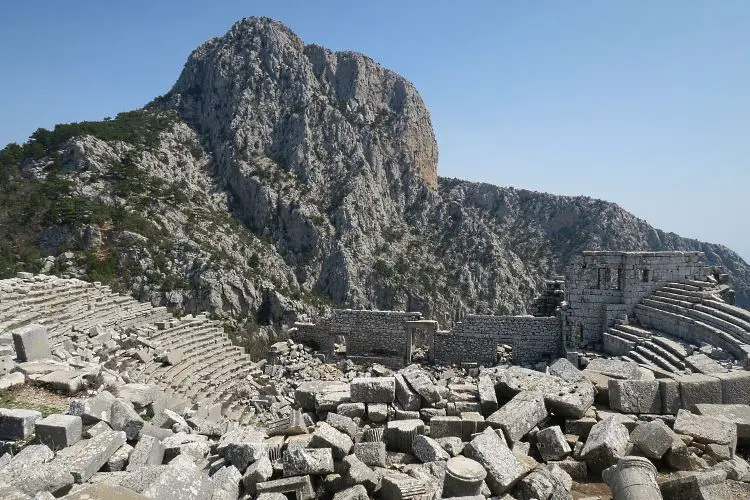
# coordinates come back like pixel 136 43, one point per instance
pixel 31 343
pixel 504 469
pixel 653 438
pixel 605 445
pixel 634 396
pixel 519 415
pixel 552 444
pixel 373 390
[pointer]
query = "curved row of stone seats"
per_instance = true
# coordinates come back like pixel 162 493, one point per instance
pixel 646 347
pixel 697 315
pixel 207 367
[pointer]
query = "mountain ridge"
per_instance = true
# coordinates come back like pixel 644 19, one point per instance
pixel 277 179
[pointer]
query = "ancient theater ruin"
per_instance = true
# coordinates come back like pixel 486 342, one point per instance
pixel 631 370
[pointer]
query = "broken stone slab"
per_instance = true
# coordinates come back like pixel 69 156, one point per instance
pixel 356 492
pixel 399 434
pixel 351 410
pixel 290 425
pixel 104 491
pixel 503 468
pixel 562 398
pixel 565 370
pixel 308 461
pixel 329 401
pixel 653 438
pixel 148 451
pixel 634 396
pixel 519 415
pixel 17 423
pixel 549 482
pixel 326 436
pixel 633 477
pixel 422 385
pixel 182 479
pixel 300 486
pixel 445 427
pixel 119 459
pixel 59 431
pixel 579 426
pixel 669 390
pixel 739 414
pixel 123 417
pixel 86 457
pixel 194 445
pixel 696 486
pixel 354 471
pixel 305 395
pixel 552 444
pixel 259 471
pixel 93 410
pixel 409 399
pixel 735 386
pixel 487 397
pixel 427 449
pixel 614 368
pixel 372 453
pixel 471 423
pixel 373 390
pixel 706 429
pixel 399 486
pixel 31 343
pixel 605 445
pixel 578 470
pixel 342 424
pixel 378 412
pixel 225 483
pixel 698 388
pixel 140 395
pixel 40 481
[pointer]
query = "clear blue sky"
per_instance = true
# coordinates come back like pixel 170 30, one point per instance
pixel 643 103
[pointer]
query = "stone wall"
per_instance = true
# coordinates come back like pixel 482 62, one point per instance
pixel 317 336
pixel 600 286
pixel 477 337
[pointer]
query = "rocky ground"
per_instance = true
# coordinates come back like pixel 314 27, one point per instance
pixel 345 431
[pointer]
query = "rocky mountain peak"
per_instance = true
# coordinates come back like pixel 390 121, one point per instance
pixel 259 93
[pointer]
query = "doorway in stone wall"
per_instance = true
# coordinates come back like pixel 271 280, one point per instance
pixel 503 353
pixel 420 341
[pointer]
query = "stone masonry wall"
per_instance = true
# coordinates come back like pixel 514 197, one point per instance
pixel 597 280
pixel 476 339
pixel 317 336
pixel 368 333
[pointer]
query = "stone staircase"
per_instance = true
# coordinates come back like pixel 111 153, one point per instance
pixel 675 321
pixel 206 367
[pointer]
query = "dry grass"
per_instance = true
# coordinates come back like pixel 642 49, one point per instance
pixel 34 398
pixel 591 489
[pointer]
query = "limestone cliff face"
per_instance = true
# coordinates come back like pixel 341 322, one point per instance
pixel 284 178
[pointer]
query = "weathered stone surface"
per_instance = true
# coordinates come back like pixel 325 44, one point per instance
pixel 373 390
pixel 372 454
pixel 669 390
pixel 427 449
pixel 709 485
pixel 735 386
pixel 351 410
pixel 93 410
pixel 304 461
pixel 357 492
pixel 180 479
pixel 34 471
pixel 698 388
pixel 377 412
pixel 259 471
pixel 119 458
pixel 519 415
pixel 301 486
pixel 487 396
pixel 31 343
pixel 565 370
pixel 614 368
pixel 409 399
pixel 544 482
pixel 243 450
pixel 634 396
pixel 399 434
pixel 422 385
pixel 706 429
pixel 552 444
pixel 357 472
pixel 140 395
pixel 504 469
pixel 342 424
pixel 148 451
pixel 104 491
pixel 86 457
pixel 578 470
pixel 17 423
pixel 605 445
pixel 225 483
pixel 562 398
pixel 305 394
pixel 58 431
pixel 123 417
pixel 399 486
pixel 579 426
pixel 739 414
pixel 471 423
pixel 11 380
pixel 653 438
pixel 445 427
pixel 329 401
pixel 326 436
